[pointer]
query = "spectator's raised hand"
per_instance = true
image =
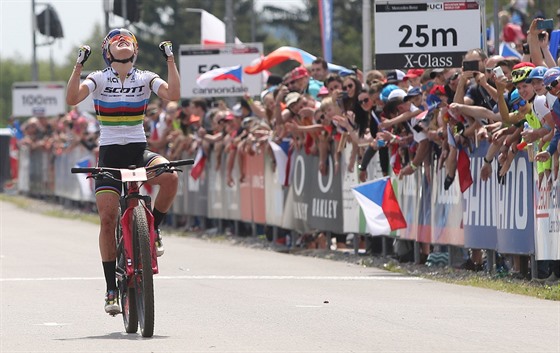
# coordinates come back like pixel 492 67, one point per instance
pixel 501 83
pixel 529 135
pixel 486 171
pixel 342 122
pixel 542 156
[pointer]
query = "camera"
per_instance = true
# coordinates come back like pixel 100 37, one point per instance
pixel 344 94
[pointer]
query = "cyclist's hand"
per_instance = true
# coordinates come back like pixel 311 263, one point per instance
pixel 83 54
pixel 166 48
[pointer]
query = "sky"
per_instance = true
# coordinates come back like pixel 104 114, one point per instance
pixel 78 18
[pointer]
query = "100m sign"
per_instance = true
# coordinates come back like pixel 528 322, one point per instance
pixel 427 36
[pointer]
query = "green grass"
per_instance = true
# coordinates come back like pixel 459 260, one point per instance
pixel 506 285
pixel 29 205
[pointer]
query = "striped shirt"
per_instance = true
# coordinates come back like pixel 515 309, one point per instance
pixel 120 106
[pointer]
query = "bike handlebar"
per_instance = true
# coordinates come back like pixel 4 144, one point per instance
pixel 157 166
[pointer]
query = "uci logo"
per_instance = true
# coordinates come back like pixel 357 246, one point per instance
pixel 435 6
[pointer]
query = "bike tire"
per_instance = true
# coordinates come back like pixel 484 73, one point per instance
pixel 144 283
pixel 128 295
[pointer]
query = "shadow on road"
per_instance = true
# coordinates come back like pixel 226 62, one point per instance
pixel 114 336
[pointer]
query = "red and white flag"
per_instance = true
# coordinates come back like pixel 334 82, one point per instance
pixel 199 164
pixel 212 30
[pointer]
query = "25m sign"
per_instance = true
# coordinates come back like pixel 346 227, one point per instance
pixel 426 34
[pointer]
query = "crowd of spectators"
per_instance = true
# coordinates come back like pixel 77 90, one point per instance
pixel 407 117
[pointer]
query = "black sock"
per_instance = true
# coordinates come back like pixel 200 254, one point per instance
pixel 109 270
pixel 158 217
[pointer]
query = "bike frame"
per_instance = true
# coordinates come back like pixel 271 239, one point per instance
pixel 131 199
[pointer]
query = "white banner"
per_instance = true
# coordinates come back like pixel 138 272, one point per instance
pixel 196 60
pixel 38 99
pixel 425 34
pixel 547 236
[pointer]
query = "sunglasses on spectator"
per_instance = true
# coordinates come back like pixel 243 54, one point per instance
pixel 364 101
pixel 552 85
pixel 347 87
pixel 518 104
pixel 152 112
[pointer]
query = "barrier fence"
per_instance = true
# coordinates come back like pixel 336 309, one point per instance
pixel 512 218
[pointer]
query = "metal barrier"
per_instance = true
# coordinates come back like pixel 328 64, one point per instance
pixel 488 215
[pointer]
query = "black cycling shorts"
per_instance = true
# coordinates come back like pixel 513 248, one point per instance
pixel 121 156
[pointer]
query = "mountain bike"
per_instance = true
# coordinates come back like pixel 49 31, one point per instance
pixel 135 239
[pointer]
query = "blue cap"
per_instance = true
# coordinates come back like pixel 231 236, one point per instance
pixel 537 72
pixel 386 91
pixel 514 96
pixel 413 92
pixel 551 74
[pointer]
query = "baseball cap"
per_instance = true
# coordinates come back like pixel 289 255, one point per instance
pixel 298 73
pixel 523 64
pixel 395 76
pixel 396 93
pixel 437 89
pixel 386 91
pixel 514 96
pixel 413 73
pixel 537 72
pixel 434 72
pixel 291 98
pixel 323 92
pixel 413 92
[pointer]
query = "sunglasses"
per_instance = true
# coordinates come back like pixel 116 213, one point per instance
pixel 118 37
pixel 347 87
pixel 519 104
pixel 364 101
pixel 152 112
pixel 552 85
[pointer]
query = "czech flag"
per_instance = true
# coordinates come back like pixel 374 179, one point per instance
pixel 199 164
pixel 282 158
pixel 380 206
pixel 233 73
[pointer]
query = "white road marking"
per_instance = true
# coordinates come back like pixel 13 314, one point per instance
pixel 220 277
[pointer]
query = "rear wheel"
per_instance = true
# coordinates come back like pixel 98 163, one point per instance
pixel 128 297
pixel 144 281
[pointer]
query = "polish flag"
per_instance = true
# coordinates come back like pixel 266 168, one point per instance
pixel 213 30
pixel 199 164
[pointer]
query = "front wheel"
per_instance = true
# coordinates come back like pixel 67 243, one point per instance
pixel 128 296
pixel 144 280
